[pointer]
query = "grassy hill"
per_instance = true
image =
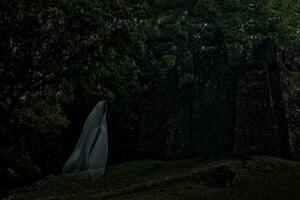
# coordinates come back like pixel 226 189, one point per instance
pixel 257 178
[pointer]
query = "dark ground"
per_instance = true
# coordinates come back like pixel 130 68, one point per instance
pixel 260 177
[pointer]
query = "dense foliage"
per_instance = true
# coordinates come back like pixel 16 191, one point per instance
pixel 55 55
pixel 58 58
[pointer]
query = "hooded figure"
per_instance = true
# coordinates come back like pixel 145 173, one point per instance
pixel 90 153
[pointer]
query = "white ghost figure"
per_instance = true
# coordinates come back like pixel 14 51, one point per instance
pixel 90 153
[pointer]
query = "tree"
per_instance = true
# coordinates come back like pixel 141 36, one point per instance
pixel 52 54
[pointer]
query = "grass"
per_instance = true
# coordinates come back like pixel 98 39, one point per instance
pixel 257 178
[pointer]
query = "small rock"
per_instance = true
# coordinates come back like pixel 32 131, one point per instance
pixel 156 166
pixel 222 176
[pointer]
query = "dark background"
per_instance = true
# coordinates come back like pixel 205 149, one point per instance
pixel 59 58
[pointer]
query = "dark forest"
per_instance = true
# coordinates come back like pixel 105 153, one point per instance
pixel 202 98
